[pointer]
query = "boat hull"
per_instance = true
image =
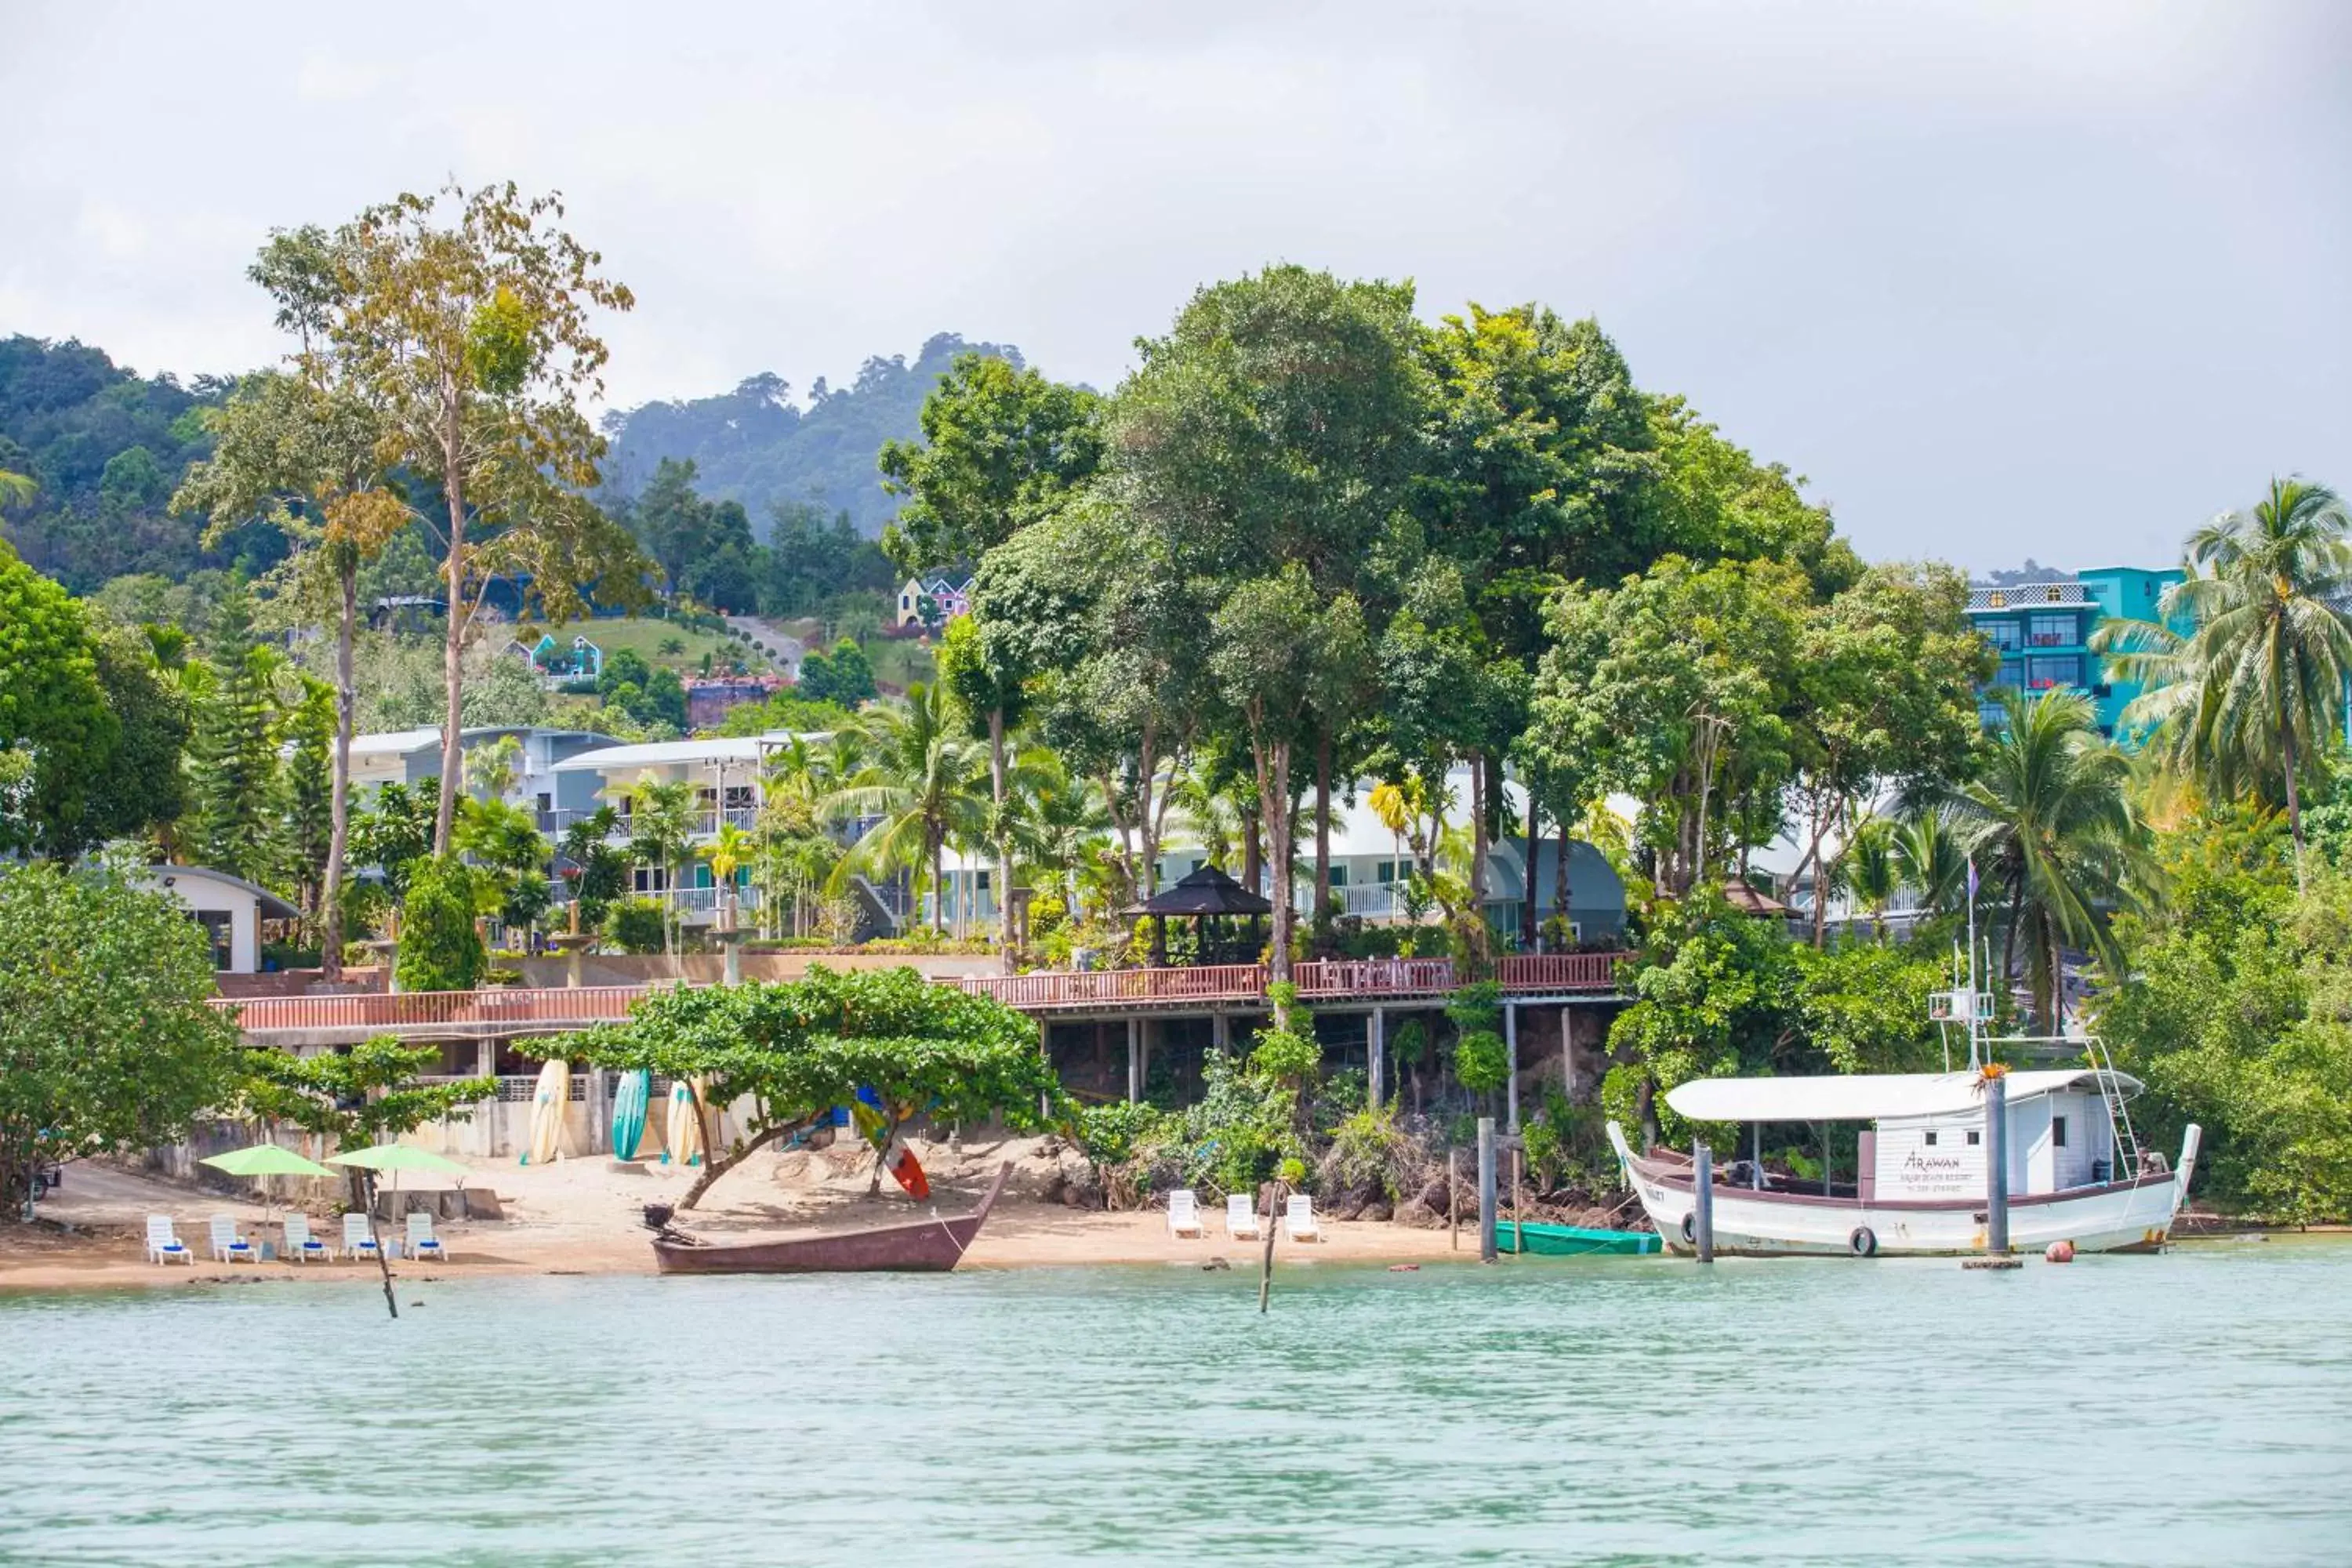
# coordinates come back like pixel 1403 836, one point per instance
pixel 922 1247
pixel 2117 1217
pixel 1572 1241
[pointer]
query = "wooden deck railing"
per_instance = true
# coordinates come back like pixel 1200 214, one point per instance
pixel 557 1006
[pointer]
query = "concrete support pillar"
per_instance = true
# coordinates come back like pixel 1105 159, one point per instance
pixel 1045 1052
pixel 1568 1053
pixel 1376 1057
pixel 1221 1031
pixel 1134 1059
pixel 1511 1087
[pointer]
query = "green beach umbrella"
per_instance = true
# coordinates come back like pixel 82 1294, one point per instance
pixel 265 1160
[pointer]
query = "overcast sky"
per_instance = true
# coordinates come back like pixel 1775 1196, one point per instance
pixel 2047 278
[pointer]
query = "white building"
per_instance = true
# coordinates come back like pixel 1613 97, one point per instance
pixel 413 756
pixel 725 774
pixel 230 908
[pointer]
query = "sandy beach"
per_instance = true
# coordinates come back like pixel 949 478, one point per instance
pixel 583 1217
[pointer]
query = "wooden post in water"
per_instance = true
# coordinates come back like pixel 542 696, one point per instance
pixel 1518 1203
pixel 1453 1200
pixel 1702 1190
pixel 1996 1099
pixel 1487 1251
pixel 367 1192
pixel 1276 1192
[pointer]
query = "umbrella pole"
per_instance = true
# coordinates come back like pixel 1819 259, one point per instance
pixel 368 1187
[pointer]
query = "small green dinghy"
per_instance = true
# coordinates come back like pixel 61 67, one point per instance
pixel 1572 1241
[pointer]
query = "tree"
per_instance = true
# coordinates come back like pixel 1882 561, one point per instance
pixel 53 712
pixel 511 860
pixel 393 835
pixel 793 1052
pixel 143 786
pixel 661 834
pixel 2251 698
pixel 599 873
pixel 233 751
pixel 2047 814
pixel 727 852
pixel 921 784
pixel 302 450
pixel 1001 448
pixel 370 1094
pixel 107 1042
pixel 306 739
pixel 471 340
pixel 843 677
pixel 440 948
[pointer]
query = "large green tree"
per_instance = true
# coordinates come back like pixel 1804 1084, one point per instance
pixel 793 1052
pixel 370 1094
pixel 53 713
pixel 233 762
pixel 107 1040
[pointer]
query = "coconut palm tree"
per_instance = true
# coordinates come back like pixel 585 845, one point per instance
pixel 731 848
pixel 1059 825
pixel 2048 816
pixel 1928 858
pixel 1870 869
pixel 2248 700
pixel 924 783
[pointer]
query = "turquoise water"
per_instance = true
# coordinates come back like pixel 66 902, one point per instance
pixel 2193 1408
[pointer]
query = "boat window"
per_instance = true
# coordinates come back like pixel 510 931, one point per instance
pixel 2058 1132
pixel 1975 1137
pixel 1931 1139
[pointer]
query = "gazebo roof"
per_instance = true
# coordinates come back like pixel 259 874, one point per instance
pixel 1207 891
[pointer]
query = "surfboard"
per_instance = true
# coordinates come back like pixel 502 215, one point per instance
pixel 683 1128
pixel 629 1108
pixel 547 1105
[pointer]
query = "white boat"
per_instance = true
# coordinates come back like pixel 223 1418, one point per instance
pixel 2076 1172
pixel 1922 1186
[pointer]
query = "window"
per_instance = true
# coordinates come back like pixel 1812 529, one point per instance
pixel 1385 872
pixel 2003 635
pixel 2012 674
pixel 738 797
pixel 2042 674
pixel 651 879
pixel 546 801
pixel 982 883
pixel 1975 1137
pixel 2057 1132
pixel 1931 1138
pixel 1339 876
pixel 216 928
pixel 2050 631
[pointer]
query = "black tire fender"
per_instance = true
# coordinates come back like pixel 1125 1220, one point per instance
pixel 1863 1243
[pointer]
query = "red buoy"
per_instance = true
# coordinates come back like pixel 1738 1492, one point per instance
pixel 2059 1252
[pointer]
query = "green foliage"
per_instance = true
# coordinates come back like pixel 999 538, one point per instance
pixel 107 1043
pixel 1112 1134
pixel 843 678
pixel 394 834
pixel 52 709
pixel 440 950
pixel 638 925
pixel 1290 1056
pixel 1001 446
pixel 1482 1061
pixel 367 1095
pixel 1865 1006
pixel 233 751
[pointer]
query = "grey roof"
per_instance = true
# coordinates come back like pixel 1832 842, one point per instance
pixel 272 906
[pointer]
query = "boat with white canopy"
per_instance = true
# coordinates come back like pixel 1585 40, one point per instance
pixel 2074 1169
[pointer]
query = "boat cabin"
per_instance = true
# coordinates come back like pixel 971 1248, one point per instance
pixel 1927 1138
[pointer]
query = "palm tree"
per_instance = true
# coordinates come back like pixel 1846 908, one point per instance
pixel 2249 699
pixel 2048 813
pixel 731 848
pixel 17 488
pixel 1059 825
pixel 1928 858
pixel 1871 870
pixel 924 783
pixel 661 833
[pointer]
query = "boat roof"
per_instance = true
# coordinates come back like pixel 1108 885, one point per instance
pixel 1868 1097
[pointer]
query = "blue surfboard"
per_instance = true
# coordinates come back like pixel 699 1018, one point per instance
pixel 629 1105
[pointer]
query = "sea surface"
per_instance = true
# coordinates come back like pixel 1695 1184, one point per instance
pixel 2192 1409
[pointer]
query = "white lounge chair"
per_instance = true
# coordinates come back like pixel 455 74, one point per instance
pixel 227 1245
pixel 1298 1219
pixel 1241 1217
pixel 357 1242
pixel 300 1244
pixel 163 1243
pixel 1183 1213
pixel 422 1242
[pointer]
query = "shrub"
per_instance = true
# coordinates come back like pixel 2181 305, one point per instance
pixel 440 950
pixel 637 924
pixel 1482 1061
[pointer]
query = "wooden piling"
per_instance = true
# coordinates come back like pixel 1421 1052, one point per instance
pixel 1996 1141
pixel 1703 1189
pixel 1487 1250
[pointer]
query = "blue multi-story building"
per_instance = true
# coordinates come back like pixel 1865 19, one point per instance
pixel 2043 632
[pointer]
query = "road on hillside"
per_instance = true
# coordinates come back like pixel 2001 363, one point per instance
pixel 790 649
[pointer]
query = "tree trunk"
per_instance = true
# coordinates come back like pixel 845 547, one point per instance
pixel 330 939
pixel 939 885
pixel 2293 798
pixel 1253 853
pixel 1478 877
pixel 1004 840
pixel 453 647
pixel 1274 807
pixel 2008 932
pixel 1322 832
pixel 1562 892
pixel 715 1165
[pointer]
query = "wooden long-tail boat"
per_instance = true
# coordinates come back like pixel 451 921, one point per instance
pixel 930 1246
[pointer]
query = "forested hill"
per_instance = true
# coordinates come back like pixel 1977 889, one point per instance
pixel 757 446
pixel 105 448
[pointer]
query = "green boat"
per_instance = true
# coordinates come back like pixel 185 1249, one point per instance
pixel 1572 1241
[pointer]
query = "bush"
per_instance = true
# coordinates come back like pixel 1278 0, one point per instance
pixel 637 925
pixel 1482 1062
pixel 440 948
pixel 1110 1135
pixel 1371 1159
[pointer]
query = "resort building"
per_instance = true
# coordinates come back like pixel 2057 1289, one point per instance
pixel 2043 633
pixel 725 774
pixel 413 756
pixel 933 600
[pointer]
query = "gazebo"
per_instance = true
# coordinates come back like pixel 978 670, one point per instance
pixel 1227 918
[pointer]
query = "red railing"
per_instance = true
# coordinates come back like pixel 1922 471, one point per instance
pixel 1560 970
pixel 499 1007
pixel 515 1008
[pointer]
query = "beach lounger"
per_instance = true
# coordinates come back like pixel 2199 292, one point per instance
pixel 1241 1217
pixel 227 1245
pixel 421 1243
pixel 163 1244
pixel 1298 1219
pixel 300 1244
pixel 357 1242
pixel 1183 1213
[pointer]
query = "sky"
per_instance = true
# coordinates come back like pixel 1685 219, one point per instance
pixel 2059 279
